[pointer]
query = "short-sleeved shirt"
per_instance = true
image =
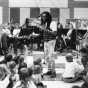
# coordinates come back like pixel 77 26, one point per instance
pixel 71 69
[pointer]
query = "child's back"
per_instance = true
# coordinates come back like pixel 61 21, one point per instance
pixel 72 68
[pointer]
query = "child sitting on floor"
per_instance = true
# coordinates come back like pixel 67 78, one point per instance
pixel 75 86
pixel 40 85
pixel 37 70
pixel 72 70
pixel 84 59
pixel 84 56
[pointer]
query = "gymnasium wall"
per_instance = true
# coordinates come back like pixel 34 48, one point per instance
pixel 68 9
pixel 4 11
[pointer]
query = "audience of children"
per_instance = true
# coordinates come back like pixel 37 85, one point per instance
pixel 22 76
pixel 19 75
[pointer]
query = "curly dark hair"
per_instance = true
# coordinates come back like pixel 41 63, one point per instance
pixel 25 73
pixel 8 58
pixel 40 84
pixel 46 18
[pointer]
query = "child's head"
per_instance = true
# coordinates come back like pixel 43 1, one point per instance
pixel 37 69
pixel 22 65
pixel 37 62
pixel 75 86
pixel 8 57
pixel 40 85
pixel 21 59
pixel 16 59
pixel 69 57
pixel 12 66
pixel 83 52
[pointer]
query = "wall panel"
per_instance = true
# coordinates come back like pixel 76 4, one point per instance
pixel 44 9
pixel 15 15
pixel 54 12
pixel 38 3
pixel 24 13
pixel 64 14
pixel 34 12
pixel 81 13
pixel 1 15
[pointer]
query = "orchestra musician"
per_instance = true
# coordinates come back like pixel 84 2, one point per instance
pixel 59 46
pixel 70 38
pixel 16 30
pixel 25 29
pixel 18 33
pixel 15 35
pixel 26 24
pixel 37 32
pixel 31 30
pixel 4 38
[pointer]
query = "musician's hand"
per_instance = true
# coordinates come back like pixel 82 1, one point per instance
pixel 57 37
pixel 62 36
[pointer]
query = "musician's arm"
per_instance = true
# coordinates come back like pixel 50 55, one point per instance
pixel 21 32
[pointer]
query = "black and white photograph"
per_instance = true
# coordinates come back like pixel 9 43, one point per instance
pixel 43 43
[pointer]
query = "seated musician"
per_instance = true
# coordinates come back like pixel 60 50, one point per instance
pixel 6 29
pixel 15 35
pixel 59 41
pixel 16 31
pixel 25 29
pixel 26 24
pixel 4 37
pixel 70 38
pixel 22 34
pixel 37 33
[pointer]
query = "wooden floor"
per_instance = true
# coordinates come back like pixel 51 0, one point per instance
pixel 60 65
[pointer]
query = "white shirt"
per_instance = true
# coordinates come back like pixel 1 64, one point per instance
pixel 71 68
pixel 31 84
pixel 1 58
pixel 29 61
pixel 53 26
pixel 69 32
pixel 5 82
pixel 7 31
pixel 16 32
